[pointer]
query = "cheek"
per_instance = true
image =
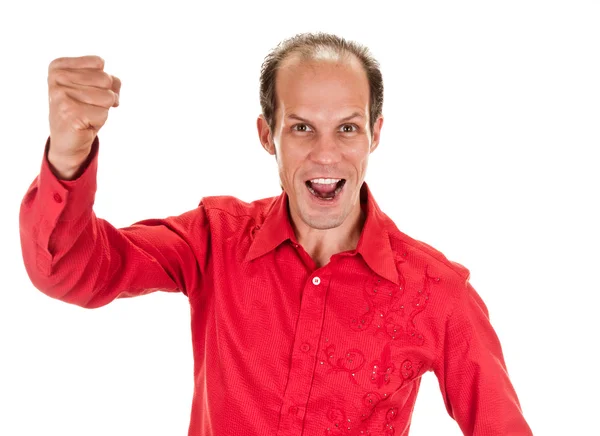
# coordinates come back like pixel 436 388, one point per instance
pixel 358 157
pixel 289 160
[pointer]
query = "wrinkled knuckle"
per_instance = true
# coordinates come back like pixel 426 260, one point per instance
pixel 62 107
pixel 66 108
pixel 60 76
pixel 57 93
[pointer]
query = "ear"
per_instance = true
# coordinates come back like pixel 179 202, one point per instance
pixel 376 133
pixel 264 134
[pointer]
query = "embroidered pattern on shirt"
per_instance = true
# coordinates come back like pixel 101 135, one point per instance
pixel 392 311
pixel 342 425
pixel 352 362
pixel 389 313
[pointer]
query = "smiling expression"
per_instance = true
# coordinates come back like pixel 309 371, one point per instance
pixel 322 140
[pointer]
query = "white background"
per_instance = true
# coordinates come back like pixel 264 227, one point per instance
pixel 488 153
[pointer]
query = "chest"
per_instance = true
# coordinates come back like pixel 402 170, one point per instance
pixel 343 315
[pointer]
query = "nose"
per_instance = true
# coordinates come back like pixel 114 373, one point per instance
pixel 326 150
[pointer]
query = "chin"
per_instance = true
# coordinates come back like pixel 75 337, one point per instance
pixel 323 222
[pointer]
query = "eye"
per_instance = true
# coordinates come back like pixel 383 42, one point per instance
pixel 301 127
pixel 353 128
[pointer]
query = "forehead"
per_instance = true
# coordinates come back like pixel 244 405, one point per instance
pixel 325 83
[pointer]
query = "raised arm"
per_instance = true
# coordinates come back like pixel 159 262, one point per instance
pixel 68 252
pixel 472 373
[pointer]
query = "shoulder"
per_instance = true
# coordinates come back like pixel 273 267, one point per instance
pixel 419 254
pixel 445 281
pixel 420 249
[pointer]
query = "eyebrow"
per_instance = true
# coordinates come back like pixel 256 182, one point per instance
pixel 348 118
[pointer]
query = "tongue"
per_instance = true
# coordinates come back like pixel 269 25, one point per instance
pixel 324 190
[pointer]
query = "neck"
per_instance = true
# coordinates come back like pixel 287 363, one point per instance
pixel 322 244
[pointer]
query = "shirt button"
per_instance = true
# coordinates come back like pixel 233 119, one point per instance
pixel 305 347
pixel 316 281
pixel 57 198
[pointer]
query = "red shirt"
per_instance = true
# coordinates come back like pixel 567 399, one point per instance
pixel 282 347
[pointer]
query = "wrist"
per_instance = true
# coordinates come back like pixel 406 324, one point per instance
pixel 65 167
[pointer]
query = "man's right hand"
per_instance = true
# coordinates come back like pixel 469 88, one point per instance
pixel 80 95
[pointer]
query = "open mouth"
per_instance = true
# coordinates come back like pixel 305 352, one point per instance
pixel 325 189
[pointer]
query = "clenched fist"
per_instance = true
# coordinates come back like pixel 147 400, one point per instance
pixel 80 95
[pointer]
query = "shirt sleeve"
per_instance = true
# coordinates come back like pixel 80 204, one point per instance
pixel 71 255
pixel 472 373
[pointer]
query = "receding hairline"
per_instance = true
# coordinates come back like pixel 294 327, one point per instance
pixel 297 58
pixel 314 47
pixel 314 55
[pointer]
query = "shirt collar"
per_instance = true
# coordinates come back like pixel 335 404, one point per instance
pixel 275 229
pixel 374 243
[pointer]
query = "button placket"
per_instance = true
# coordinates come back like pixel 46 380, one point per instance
pixel 301 373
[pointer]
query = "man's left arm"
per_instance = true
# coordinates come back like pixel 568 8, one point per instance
pixel 472 373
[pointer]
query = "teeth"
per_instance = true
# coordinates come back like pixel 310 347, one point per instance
pixel 336 192
pixel 325 181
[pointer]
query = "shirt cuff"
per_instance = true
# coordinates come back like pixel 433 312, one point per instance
pixel 66 200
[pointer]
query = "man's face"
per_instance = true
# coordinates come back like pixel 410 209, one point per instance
pixel 322 139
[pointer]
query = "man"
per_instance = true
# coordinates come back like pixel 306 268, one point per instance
pixel 311 313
